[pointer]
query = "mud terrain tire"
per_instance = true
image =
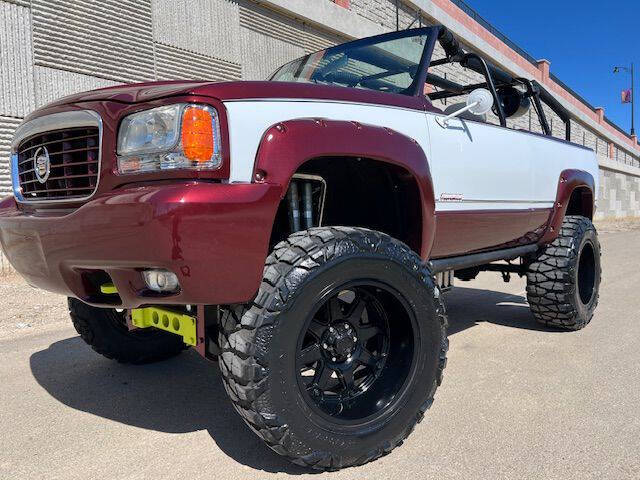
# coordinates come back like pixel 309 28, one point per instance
pixel 259 360
pixel 563 281
pixel 105 330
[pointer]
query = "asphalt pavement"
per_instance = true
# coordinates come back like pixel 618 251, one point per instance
pixel 518 401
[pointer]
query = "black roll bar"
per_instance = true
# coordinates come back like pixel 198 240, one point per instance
pixel 556 107
pixel 495 76
pixel 483 68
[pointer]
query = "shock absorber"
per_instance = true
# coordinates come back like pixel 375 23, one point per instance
pixel 305 201
pixel 308 205
pixel 294 207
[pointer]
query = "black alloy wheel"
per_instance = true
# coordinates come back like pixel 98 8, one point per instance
pixel 587 273
pixel 348 368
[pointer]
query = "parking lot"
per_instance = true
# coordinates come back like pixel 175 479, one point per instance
pixel 518 401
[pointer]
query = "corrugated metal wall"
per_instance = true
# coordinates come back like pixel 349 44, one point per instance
pixel 52 84
pixel 8 126
pixel 16 61
pixel 110 39
pixel 270 39
pixel 53 48
pixel 17 96
pixel 208 27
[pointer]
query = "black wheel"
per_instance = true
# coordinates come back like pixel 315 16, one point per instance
pixel 105 330
pixel 341 352
pixel 563 282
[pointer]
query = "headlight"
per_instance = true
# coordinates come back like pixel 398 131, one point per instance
pixel 182 136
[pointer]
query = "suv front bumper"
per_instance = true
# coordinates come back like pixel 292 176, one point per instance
pixel 213 236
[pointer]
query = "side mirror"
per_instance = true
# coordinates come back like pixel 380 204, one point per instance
pixel 479 102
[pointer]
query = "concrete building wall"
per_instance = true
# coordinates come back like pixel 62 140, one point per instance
pixel 619 194
pixel 52 48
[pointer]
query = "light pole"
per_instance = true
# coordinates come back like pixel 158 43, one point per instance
pixel 633 93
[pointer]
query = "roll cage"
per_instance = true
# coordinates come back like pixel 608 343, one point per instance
pixel 495 80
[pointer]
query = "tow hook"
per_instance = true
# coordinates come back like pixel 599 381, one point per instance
pixel 172 322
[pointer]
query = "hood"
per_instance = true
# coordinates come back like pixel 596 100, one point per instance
pixel 240 90
pixel 132 93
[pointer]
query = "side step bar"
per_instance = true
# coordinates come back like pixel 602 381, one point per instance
pixel 475 259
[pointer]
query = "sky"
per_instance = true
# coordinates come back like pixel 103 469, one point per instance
pixel 583 40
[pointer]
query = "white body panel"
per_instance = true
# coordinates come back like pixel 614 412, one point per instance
pixel 552 157
pixel 474 166
pixel 486 167
pixel 248 120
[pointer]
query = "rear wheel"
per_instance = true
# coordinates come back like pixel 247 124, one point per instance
pixel 342 350
pixel 105 330
pixel 563 282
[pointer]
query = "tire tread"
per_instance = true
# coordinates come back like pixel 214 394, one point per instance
pixel 550 286
pixel 243 367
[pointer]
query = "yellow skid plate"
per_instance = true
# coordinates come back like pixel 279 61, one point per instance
pixel 177 323
pixel 108 289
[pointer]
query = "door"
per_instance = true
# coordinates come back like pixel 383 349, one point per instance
pixel 483 185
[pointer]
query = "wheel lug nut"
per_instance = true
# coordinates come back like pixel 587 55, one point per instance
pixel 333 359
pixel 325 346
pixel 355 339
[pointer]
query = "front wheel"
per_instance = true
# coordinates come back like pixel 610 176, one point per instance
pixel 341 352
pixel 563 282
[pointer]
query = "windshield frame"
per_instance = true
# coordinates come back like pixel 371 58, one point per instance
pixel 417 86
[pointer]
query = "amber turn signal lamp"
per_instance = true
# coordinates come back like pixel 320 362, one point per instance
pixel 197 134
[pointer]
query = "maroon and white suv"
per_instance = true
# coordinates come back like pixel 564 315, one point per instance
pixel 301 230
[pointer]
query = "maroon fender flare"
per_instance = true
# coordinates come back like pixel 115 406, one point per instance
pixel 288 145
pixel 568 182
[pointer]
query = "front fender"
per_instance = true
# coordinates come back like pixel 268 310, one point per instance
pixel 286 146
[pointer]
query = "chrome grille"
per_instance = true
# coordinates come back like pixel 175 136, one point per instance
pixel 73 164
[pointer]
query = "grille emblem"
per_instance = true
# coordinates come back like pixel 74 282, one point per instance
pixel 42 164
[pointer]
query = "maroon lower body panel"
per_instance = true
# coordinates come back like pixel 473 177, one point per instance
pixel 461 232
pixel 213 236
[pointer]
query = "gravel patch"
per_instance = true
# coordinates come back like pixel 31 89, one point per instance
pixel 23 308
pixel 618 225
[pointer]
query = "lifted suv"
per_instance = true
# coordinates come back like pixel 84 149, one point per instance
pixel 302 230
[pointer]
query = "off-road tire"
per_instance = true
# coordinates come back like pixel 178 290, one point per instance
pixel 103 330
pixel 553 278
pixel 252 359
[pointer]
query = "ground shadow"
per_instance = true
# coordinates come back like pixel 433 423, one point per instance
pixel 467 307
pixel 184 394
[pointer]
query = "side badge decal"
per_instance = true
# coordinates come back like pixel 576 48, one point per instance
pixel 451 197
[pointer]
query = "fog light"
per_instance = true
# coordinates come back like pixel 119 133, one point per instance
pixel 161 280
